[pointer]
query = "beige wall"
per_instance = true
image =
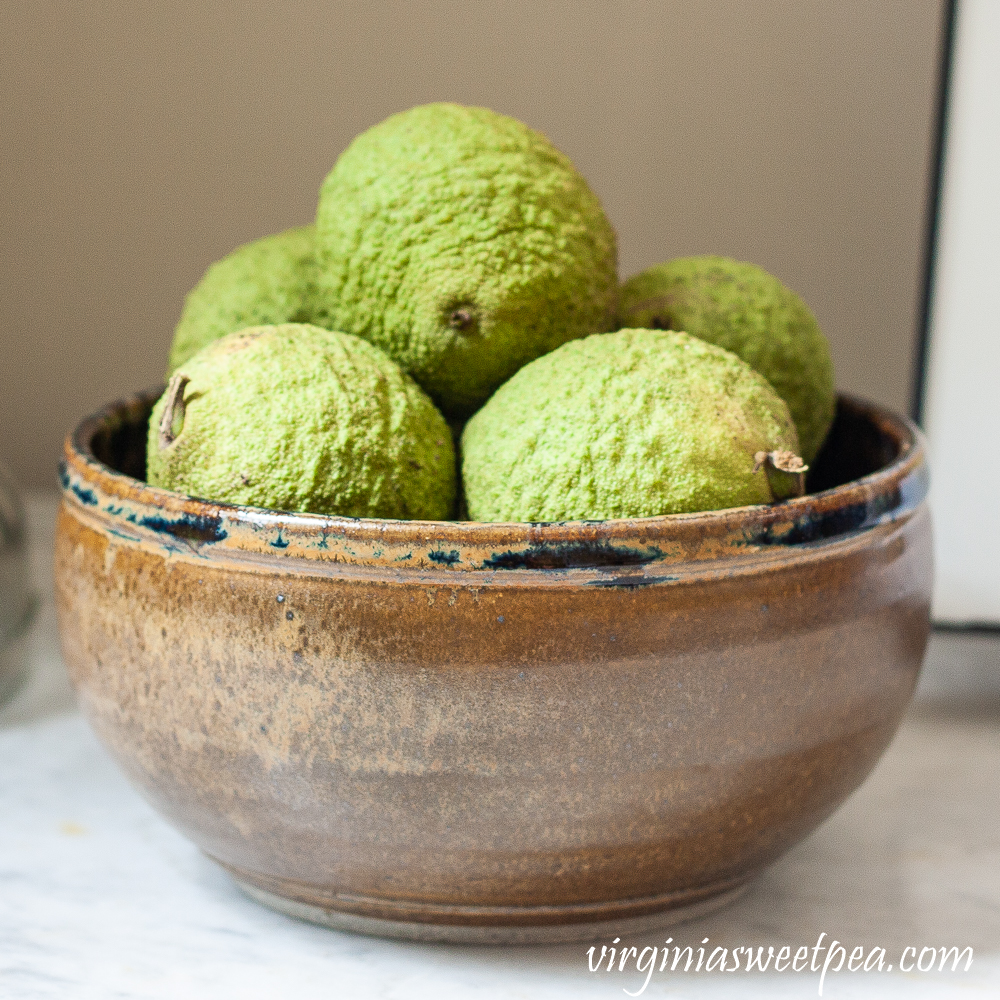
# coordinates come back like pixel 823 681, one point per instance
pixel 142 141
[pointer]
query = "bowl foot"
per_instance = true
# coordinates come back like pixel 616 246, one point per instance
pixel 507 925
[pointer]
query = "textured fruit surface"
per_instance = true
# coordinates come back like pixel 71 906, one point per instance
pixel 265 282
pixel 298 418
pixel 464 244
pixel 744 309
pixel 628 424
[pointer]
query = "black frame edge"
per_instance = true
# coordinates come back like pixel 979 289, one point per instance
pixel 933 210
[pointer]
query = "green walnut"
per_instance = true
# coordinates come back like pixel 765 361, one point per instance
pixel 259 284
pixel 297 418
pixel 464 244
pixel 628 424
pixel 744 309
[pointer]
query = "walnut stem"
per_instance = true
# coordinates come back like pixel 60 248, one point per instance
pixel 461 319
pixel 786 473
pixel 173 407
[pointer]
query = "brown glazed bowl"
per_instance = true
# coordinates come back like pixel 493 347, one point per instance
pixel 496 732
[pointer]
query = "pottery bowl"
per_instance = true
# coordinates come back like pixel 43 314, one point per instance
pixel 496 732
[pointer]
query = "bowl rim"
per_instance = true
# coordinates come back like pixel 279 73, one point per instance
pixel 137 511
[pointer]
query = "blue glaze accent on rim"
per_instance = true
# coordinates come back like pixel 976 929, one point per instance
pixel 630 581
pixel 852 518
pixel 443 558
pixel 568 555
pixel 85 496
pixel 203 529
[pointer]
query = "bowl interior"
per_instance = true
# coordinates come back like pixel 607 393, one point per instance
pixel 871 469
pixel 856 446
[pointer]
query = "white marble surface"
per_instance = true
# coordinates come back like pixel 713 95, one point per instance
pixel 100 898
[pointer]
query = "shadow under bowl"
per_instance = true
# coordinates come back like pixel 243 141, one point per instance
pixel 496 732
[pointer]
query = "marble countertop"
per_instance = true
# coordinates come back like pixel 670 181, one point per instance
pixel 100 898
